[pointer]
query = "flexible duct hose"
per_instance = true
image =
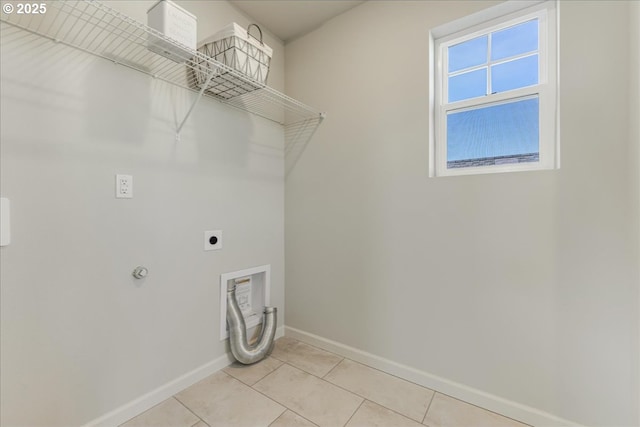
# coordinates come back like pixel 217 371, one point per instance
pixel 240 348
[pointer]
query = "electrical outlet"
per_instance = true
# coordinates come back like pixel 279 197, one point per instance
pixel 212 240
pixel 124 186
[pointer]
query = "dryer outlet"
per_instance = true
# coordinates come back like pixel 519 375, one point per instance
pixel 212 240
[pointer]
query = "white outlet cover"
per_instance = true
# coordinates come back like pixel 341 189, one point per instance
pixel 210 235
pixel 124 186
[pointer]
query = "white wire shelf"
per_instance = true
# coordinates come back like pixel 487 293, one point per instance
pixel 97 29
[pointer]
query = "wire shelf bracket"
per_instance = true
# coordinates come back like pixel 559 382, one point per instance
pixel 95 28
pixel 193 105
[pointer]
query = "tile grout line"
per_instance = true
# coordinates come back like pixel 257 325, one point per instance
pixel 387 373
pixel 201 421
pixel 483 409
pixel 292 364
pixel 259 379
pixel 401 379
pixel 315 347
pixel 294 412
pixel 363 364
pixel 383 372
pixel 373 401
pixel 282 363
pixel 143 412
pixel 354 412
pixel 189 409
pixel 323 378
pixel 278 417
pixel 277 358
pixel 429 406
pixel 416 384
pixel 378 403
pixel 244 384
pixel 331 370
pixel 268 397
pixel 262 394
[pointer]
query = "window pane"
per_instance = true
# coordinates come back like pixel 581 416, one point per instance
pixel 514 40
pixel 468 85
pixel 468 54
pixel 498 134
pixel 514 74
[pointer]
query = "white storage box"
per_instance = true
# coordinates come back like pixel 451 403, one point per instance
pixel 236 48
pixel 177 24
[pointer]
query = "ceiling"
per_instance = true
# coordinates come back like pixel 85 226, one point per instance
pixel 289 19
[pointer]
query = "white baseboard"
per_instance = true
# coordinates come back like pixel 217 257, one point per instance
pixel 160 394
pixel 517 411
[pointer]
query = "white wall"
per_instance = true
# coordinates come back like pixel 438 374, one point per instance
pixel 520 285
pixel 634 112
pixel 80 336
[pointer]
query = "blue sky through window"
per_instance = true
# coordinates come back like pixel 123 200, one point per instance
pixel 498 130
pixel 468 62
pixel 514 74
pixel 468 54
pixel 497 62
pixel 468 85
pixel 521 38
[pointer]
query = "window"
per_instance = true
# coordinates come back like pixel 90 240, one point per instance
pixel 495 104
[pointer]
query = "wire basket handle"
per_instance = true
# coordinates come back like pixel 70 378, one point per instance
pixel 259 30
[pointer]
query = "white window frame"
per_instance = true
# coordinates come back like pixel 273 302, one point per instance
pixel 488 21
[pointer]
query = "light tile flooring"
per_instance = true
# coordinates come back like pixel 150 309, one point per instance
pixel 300 385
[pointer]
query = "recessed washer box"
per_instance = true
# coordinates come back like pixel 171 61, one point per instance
pixel 175 23
pixel 253 287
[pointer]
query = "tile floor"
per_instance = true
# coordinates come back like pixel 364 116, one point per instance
pixel 300 385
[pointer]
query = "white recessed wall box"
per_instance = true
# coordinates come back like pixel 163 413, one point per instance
pixel 175 23
pixel 253 291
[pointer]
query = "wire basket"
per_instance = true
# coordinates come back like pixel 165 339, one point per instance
pixel 236 48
